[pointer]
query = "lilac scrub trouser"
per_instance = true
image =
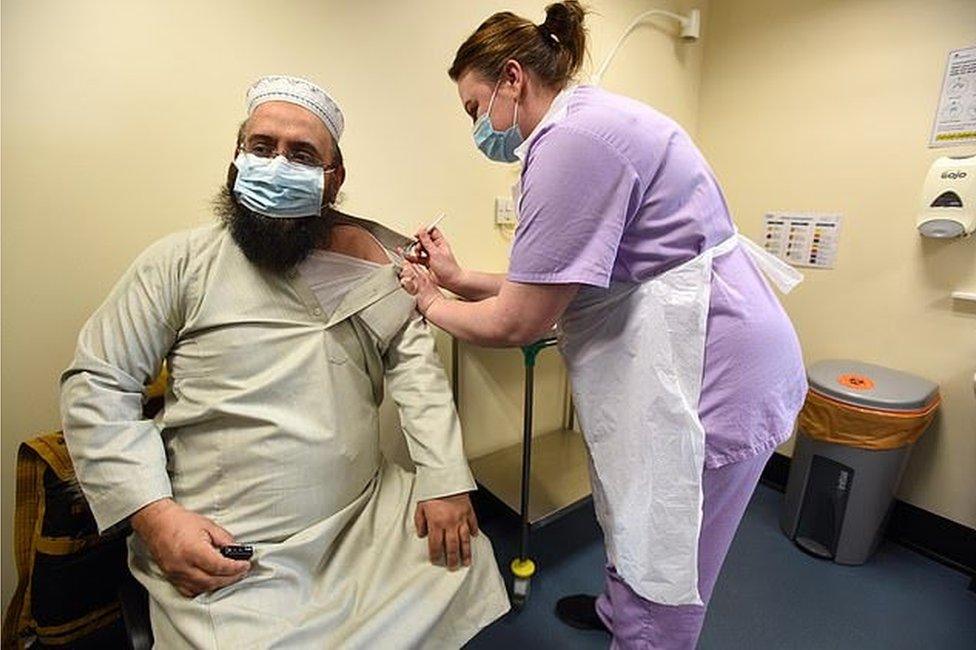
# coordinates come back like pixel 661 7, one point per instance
pixel 640 623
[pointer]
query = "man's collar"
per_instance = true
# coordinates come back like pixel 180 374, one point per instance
pixel 556 112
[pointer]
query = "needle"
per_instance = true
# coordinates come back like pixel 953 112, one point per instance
pixel 430 229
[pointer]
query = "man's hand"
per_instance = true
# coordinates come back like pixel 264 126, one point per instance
pixel 448 523
pixel 186 546
pixel 419 282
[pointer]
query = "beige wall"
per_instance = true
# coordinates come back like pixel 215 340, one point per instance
pixel 118 120
pixel 826 105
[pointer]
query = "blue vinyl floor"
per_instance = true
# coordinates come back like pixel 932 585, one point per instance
pixel 769 595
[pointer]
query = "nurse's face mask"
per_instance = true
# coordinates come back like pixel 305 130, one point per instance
pixel 284 186
pixel 497 145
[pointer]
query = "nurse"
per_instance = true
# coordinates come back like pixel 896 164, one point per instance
pixel 686 371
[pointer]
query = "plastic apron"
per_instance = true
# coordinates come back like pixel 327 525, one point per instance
pixel 635 354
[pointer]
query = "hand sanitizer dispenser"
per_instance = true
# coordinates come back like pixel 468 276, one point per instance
pixel 949 198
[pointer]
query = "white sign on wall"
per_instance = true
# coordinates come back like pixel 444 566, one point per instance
pixel 802 239
pixel 955 119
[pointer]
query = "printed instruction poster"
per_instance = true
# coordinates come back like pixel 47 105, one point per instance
pixel 802 239
pixel 955 119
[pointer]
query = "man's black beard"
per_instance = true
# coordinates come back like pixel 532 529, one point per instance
pixel 276 245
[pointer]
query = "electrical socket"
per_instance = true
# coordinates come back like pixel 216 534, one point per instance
pixel 504 211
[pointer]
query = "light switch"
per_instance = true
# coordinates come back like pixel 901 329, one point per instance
pixel 504 211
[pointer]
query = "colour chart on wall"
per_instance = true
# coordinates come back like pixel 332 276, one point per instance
pixel 802 239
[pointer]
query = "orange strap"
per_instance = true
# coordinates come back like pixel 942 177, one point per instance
pixel 158 387
pixel 74 630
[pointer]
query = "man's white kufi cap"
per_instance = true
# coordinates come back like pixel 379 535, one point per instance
pixel 281 88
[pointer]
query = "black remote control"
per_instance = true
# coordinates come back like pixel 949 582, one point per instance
pixel 237 551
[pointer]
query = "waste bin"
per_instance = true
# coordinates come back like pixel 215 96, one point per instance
pixel 855 433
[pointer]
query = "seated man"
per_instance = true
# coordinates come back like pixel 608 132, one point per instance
pixel 280 327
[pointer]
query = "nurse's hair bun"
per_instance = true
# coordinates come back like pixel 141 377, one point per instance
pixel 553 50
pixel 564 25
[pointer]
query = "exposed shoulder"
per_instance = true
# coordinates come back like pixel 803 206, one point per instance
pixel 355 241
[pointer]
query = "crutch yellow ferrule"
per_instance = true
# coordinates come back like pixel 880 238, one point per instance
pixel 523 568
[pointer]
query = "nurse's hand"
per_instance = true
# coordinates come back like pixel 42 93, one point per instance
pixel 435 253
pixel 448 523
pixel 186 546
pixel 419 282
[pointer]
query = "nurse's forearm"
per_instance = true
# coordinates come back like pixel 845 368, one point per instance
pixel 520 314
pixel 476 285
pixel 482 323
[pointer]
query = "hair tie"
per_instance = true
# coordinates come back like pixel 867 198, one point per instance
pixel 545 31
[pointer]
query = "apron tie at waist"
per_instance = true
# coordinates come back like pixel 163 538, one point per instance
pixel 781 274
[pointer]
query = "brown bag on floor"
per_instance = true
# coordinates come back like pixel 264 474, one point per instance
pixel 69 575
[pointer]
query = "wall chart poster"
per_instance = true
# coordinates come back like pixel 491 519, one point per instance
pixel 955 119
pixel 802 239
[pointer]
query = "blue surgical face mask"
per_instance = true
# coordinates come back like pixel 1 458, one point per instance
pixel 497 145
pixel 276 187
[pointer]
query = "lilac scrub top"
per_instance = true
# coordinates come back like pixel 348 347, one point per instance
pixel 613 191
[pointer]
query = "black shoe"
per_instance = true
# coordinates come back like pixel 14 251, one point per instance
pixel 579 611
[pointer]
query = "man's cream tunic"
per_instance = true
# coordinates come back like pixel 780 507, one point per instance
pixel 271 429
